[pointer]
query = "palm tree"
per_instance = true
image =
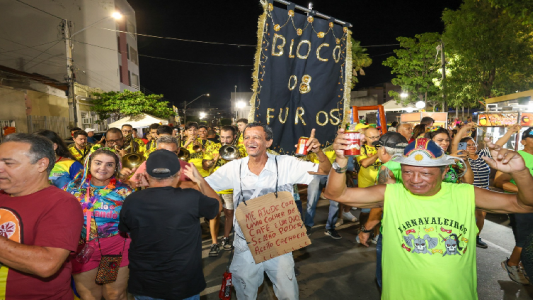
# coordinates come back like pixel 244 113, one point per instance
pixel 360 60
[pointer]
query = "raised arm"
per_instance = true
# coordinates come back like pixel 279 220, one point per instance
pixel 457 138
pixel 510 162
pixel 314 146
pixel 337 190
pixel 510 131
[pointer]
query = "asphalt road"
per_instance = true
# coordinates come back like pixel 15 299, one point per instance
pixel 343 269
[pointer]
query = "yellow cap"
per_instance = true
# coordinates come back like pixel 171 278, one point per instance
pixel 361 126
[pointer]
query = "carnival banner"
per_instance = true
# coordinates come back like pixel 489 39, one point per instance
pixel 302 76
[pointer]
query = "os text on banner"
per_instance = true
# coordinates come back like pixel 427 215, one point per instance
pixel 302 76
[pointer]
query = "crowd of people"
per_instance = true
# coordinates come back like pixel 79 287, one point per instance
pixel 76 214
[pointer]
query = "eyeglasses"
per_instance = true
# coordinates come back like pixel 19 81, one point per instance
pixel 114 141
pixel 373 137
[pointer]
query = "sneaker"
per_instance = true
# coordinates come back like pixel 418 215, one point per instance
pixel 374 240
pixel 333 234
pixel 354 208
pixel 322 197
pixel 340 221
pixel 215 249
pixel 481 244
pixel 308 230
pixel 226 244
pixel 349 217
pixel 515 273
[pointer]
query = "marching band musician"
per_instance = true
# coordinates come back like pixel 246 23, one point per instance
pixel 228 136
pixel 115 141
pixel 241 125
pixel 127 132
pixel 152 138
pixel 201 157
pixel 80 148
pixel 161 130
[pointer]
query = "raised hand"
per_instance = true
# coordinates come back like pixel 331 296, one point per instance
pixel 505 160
pixel 193 174
pixel 340 144
pixel 313 144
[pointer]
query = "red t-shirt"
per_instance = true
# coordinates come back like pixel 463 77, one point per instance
pixel 48 218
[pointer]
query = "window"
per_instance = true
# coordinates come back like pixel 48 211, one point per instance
pixel 128 51
pixel 135 80
pixel 130 28
pixel 134 56
pixel 120 73
pixel 118 43
pixel 129 78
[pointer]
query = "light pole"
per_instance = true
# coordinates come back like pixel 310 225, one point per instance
pixel 185 107
pixel 240 105
pixel 70 67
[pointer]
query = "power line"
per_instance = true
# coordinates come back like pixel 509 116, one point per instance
pixel 183 40
pixel 27 47
pixel 40 10
pixel 41 53
pixel 195 62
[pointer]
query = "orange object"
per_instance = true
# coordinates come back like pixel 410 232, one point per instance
pixel 383 119
pixel 9 130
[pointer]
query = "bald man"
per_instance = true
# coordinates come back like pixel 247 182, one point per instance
pixel 406 130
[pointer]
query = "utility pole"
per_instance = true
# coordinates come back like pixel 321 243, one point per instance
pixel 443 62
pixel 70 69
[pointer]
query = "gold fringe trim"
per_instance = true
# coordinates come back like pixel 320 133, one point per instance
pixel 257 67
pixel 348 79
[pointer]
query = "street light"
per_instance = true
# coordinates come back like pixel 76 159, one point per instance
pixel 404 95
pixel 241 104
pixel 185 106
pixel 202 115
pixel 420 104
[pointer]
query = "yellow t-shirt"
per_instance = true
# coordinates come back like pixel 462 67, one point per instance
pixel 79 155
pixel 367 176
pixel 330 153
pixel 196 158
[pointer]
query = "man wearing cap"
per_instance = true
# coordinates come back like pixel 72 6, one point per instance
pixel 429 225
pixel 163 223
pixel 522 223
pixel 388 145
pixel 259 174
pixel 90 135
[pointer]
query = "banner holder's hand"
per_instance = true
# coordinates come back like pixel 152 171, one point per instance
pixel 313 144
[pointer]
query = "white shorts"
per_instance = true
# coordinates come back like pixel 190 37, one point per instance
pixel 228 200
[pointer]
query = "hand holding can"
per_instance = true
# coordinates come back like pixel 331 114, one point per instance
pixel 353 139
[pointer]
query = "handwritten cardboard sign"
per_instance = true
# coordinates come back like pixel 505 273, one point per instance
pixel 272 226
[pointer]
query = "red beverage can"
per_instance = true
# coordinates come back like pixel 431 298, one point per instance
pixel 225 288
pixel 354 143
pixel 301 148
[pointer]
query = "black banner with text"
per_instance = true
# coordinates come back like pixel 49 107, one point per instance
pixel 302 76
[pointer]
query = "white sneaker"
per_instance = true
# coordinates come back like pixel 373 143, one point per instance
pixel 349 217
pixel 515 273
pixel 354 208
pixel 340 221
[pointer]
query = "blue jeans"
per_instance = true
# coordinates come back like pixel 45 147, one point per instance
pixel 195 297
pixel 379 248
pixel 313 194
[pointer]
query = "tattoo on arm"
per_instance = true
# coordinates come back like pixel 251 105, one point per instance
pixel 383 176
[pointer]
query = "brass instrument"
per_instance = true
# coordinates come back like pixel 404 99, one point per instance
pixel 197 146
pixel 229 152
pixel 133 159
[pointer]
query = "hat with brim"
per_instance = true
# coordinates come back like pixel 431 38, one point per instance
pixel 361 126
pixel 424 153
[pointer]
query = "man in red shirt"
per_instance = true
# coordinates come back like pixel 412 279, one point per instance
pixel 40 225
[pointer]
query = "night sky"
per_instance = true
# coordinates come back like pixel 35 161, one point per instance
pixel 375 22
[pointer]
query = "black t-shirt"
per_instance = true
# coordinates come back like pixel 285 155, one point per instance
pixel 166 244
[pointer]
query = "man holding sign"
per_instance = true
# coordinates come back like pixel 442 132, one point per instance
pixel 259 174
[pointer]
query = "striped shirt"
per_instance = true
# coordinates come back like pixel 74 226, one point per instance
pixel 481 169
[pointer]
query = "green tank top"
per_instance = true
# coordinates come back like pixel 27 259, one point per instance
pixel 396 169
pixel 430 247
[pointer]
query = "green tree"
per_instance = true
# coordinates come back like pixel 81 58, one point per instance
pixel 122 104
pixel 360 60
pixel 417 68
pixel 490 53
pixel 522 9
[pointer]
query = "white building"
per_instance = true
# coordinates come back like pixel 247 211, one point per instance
pixel 32 41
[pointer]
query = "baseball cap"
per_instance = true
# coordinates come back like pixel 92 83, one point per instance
pixel 425 153
pixel 162 163
pixel 391 140
pixel 361 126
pixel 528 133
pixel 89 129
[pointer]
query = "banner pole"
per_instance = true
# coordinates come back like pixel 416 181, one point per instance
pixel 317 13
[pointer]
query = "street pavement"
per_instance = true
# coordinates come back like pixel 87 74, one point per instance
pixel 343 269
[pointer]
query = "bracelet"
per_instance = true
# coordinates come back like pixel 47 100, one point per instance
pixel 364 230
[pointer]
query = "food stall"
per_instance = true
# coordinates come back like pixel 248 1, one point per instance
pixel 441 118
pixel 503 111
